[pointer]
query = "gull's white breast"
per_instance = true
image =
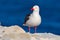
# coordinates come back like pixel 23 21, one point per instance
pixel 34 20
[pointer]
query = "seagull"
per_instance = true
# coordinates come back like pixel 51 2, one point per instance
pixel 34 19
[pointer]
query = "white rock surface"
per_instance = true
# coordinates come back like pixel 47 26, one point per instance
pixel 32 38
pixel 15 29
pixel 17 33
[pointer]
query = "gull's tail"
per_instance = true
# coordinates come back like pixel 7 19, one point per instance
pixel 24 24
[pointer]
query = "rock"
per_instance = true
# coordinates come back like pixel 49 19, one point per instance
pixel 14 36
pixel 15 29
pixel 32 38
pixel 17 33
pixel 11 33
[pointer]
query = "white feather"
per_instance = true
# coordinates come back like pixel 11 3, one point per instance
pixel 35 18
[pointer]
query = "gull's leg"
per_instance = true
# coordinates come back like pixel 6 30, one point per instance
pixel 29 29
pixel 35 28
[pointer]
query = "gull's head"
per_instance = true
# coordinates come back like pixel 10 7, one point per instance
pixel 36 8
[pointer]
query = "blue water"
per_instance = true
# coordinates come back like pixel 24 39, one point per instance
pixel 13 12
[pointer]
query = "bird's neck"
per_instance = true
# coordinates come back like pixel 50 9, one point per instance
pixel 36 12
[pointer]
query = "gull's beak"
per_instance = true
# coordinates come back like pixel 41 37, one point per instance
pixel 32 8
